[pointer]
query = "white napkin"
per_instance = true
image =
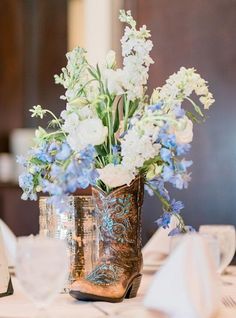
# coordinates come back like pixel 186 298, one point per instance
pixel 158 247
pixel 187 285
pixel 9 240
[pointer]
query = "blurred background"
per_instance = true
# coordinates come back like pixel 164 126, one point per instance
pixel 36 34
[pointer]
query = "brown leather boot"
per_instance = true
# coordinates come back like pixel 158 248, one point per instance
pixel 117 273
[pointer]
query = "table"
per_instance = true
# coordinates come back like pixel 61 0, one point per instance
pixel 18 306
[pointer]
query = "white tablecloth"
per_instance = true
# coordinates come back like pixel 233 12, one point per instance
pixel 18 306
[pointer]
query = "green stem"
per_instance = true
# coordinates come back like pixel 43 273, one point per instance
pixel 163 201
pixel 55 133
pixel 99 162
pixel 56 119
pixel 126 113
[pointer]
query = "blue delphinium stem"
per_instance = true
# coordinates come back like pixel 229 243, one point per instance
pixel 167 208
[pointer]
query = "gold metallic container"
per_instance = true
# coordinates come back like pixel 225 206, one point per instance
pixel 77 227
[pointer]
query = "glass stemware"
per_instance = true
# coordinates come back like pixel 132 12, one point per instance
pixel 41 268
pixel 226 237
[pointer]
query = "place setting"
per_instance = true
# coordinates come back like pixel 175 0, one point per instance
pixel 106 167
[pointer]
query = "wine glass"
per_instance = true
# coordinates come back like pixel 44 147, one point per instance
pixel 226 237
pixel 42 268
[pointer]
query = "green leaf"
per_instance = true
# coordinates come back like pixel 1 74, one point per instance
pixel 36 161
pixel 133 108
pixel 192 117
pixel 117 118
pixel 101 151
pixel 98 71
pixel 196 107
pixel 93 74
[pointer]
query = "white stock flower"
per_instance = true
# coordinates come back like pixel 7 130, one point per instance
pixel 132 78
pixel 137 147
pixel 115 175
pixel 181 85
pixel 207 100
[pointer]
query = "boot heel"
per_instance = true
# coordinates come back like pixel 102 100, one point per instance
pixel 133 289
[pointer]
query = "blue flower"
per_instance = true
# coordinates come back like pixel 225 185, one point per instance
pixel 155 107
pixel 42 154
pixel 26 182
pixel 182 149
pixel 93 176
pixel 115 154
pixel 83 181
pixel 158 184
pixel 174 232
pixel 180 181
pixel 179 112
pixel 53 147
pixel 88 154
pixel 21 160
pixel 165 155
pixel 182 165
pixel 176 206
pixel 167 140
pixel 167 173
pixel 63 152
pixel 52 188
pixel 164 220
pixel 34 169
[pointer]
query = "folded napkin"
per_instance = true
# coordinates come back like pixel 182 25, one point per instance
pixel 158 247
pixel 187 285
pixel 9 240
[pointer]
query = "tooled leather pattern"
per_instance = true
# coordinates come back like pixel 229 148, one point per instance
pixel 119 225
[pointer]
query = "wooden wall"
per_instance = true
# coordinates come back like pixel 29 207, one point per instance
pixel 33 37
pixel 201 34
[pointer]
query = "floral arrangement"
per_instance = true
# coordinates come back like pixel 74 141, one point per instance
pixel 111 131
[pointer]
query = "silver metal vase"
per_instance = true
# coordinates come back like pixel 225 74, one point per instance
pixel 77 227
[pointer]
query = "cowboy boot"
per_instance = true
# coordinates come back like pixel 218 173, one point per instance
pixel 117 273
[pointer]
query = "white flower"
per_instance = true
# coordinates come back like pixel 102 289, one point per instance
pixel 181 85
pixel 207 100
pixel 82 133
pixel 155 96
pixel 92 131
pixel 114 81
pixel 183 131
pixel 40 133
pixel 38 111
pixel 115 175
pixel 79 102
pixel 111 59
pixel 137 147
pixel 132 78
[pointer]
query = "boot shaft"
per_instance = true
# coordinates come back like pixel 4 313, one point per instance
pixel 119 220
